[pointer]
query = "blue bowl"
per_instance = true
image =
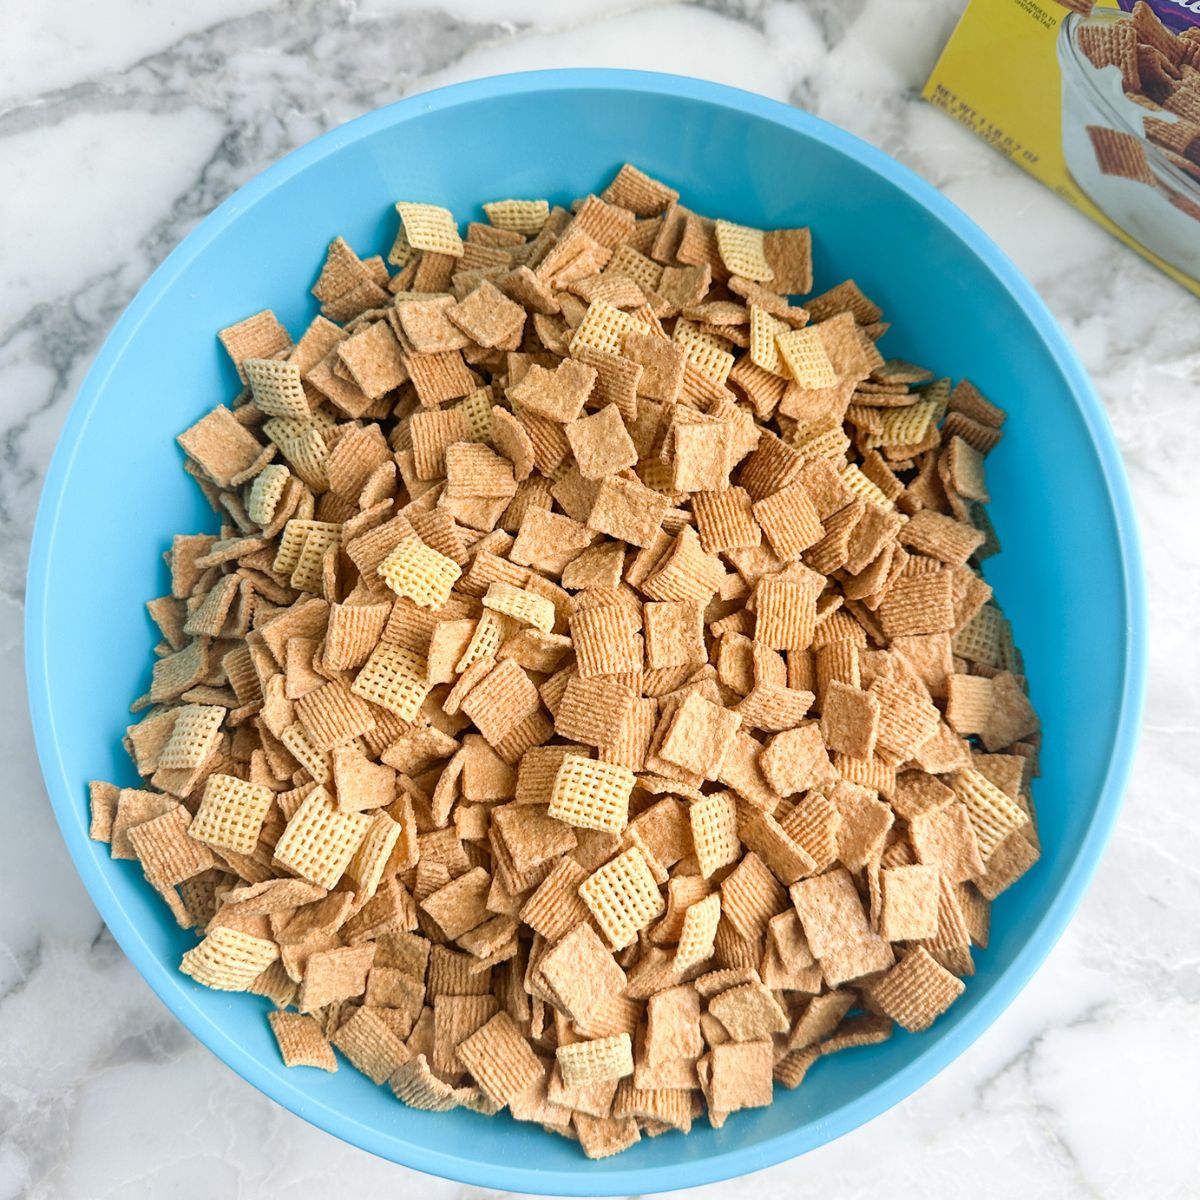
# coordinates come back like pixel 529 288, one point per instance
pixel 1069 577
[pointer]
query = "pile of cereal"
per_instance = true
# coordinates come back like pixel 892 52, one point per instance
pixel 591 705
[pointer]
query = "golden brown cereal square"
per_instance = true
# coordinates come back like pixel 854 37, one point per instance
pixel 319 840
pixel 591 795
pixel 374 359
pixel 714 832
pixel 916 991
pixel 229 959
pixel 231 813
pixel 259 336
pixel 220 445
pixel 601 443
pixel 785 613
pixel 370 1042
pixel 751 896
pixel 849 720
pixel 623 897
pixel 301 1042
pixel 724 520
pixel 740 1076
pixel 488 317
pixel 500 1059
pixel 628 510
pixel 697 736
pixel 674 632
pixel 910 903
pixel 593 711
pixel 944 837
pixel 790 520
pixel 333 975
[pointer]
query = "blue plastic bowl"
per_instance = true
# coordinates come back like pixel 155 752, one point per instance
pixel 1069 576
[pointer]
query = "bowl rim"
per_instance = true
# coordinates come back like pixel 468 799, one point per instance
pixel 166 983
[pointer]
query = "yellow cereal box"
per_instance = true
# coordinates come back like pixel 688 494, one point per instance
pixel 1100 103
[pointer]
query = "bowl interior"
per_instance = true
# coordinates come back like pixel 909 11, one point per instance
pixel 116 495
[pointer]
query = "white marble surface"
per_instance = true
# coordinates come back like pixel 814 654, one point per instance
pixel 123 122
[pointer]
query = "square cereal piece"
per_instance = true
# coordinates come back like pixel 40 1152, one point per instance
pixel 740 1076
pixel 301 1041
pixel 503 698
pixel 725 520
pixel 749 1012
pixel 849 720
pixel 674 631
pixel 830 911
pixel 602 1137
pixel 805 357
pixel 168 856
pixel 789 255
pixel 593 711
pixel 916 991
pixel 333 715
pixel 277 388
pixel 751 896
pixel 455 1018
pixel 352 633
pixel 662 364
pixel 581 972
pixel 591 795
pixel 909 898
pixel 606 640
pixel 628 510
pixel 713 822
pixel 427 327
pixel 524 607
pixel 460 905
pixel 993 814
pixel 792 759
pixel 786 613
pixel 193 735
pixel 395 678
pixel 333 975
pixel 102 799
pixel 221 446
pixel 488 317
pixel 697 736
pixel 374 359
pixel 944 837
pixel 521 216
pixel 790 520
pixel 429 227
pixel 555 908
pixel 698 933
pixel 231 813
pixel 369 1040
pixel 319 841
pixel 439 377
pixel 415 570
pixel 229 959
pixel 259 336
pixel 557 395
pixel 601 443
pixel 596 1061
pixel 742 251
pixel 501 1060
pixel 623 897
pixel 640 193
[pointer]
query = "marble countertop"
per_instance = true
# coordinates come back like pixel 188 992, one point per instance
pixel 122 123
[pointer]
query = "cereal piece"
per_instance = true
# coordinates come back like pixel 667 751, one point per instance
pixel 790 520
pixel 742 251
pixel 461 905
pixel 488 317
pixel 606 640
pixel 333 975
pixel 320 840
pixel 523 216
pixel 557 395
pixel 639 192
pixel 725 520
pixel 593 711
pixel 369 1041
pixel 429 227
pixel 231 813
pixel 601 443
pixel 698 735
pixel 786 613
pixel 301 1042
pixel 522 606
pixel 414 570
pixel 740 1076
pixel 993 814
pixel 714 832
pixel 228 959
pixel 749 1012
pixel 500 1059
pixel 750 897
pixel 623 897
pixel 910 903
pixel 591 795
pixel 221 446
pixel 674 633
pixel 916 991
pixel 596 1061
pixel 628 510
pixel 945 837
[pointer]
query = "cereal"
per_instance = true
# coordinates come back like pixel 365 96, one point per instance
pixel 578 627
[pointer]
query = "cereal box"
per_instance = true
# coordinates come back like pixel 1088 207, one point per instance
pixel 1099 102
